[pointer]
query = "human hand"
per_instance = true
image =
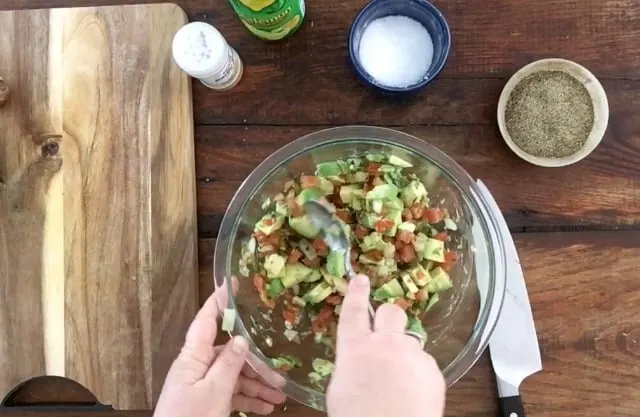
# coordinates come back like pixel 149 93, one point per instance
pixel 381 372
pixel 211 381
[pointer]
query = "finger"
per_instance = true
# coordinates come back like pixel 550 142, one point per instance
pixel 256 389
pixel 226 369
pixel 390 319
pixel 354 316
pixel 245 404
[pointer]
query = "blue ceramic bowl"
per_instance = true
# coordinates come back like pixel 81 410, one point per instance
pixel 420 10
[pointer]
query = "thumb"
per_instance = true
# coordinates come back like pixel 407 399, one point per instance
pixel 225 370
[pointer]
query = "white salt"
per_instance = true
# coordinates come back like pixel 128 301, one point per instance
pixel 396 51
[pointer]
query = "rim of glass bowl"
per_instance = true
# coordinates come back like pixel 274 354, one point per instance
pixel 492 304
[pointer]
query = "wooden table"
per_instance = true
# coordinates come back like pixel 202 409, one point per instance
pixel 577 228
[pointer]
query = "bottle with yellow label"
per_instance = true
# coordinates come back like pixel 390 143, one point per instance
pixel 270 19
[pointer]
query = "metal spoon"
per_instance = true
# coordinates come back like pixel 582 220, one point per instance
pixel 333 234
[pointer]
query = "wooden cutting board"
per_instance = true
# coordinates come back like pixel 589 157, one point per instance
pixel 98 259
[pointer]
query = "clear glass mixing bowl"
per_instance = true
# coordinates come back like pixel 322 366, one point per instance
pixel 462 322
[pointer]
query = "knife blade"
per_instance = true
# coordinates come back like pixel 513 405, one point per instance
pixel 514 349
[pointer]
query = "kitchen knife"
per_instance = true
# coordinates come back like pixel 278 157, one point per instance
pixel 514 349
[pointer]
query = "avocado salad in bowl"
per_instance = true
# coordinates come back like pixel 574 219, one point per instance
pixel 418 228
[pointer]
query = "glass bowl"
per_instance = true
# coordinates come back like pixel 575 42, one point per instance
pixel 458 327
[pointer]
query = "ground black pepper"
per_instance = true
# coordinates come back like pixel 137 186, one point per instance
pixel 549 114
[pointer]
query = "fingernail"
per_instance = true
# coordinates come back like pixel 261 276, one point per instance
pixel 239 344
pixel 361 280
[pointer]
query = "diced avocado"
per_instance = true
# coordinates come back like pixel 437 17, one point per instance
pixel 432 301
pixel 415 326
pixel 358 177
pixel 407 227
pixel 369 260
pixel 274 265
pixel 332 168
pixel 410 295
pixel 303 226
pixel 394 204
pixel 450 224
pixel 325 185
pixel 413 192
pixel 399 162
pixel 318 293
pixel 346 193
pixel 419 275
pixel 286 361
pixel 295 274
pixel 269 223
pixel 388 290
pixel 335 263
pixel 309 194
pixel 298 301
pixel 372 241
pixel 314 276
pixel 408 283
pixel 386 267
pixel 281 208
pixel 228 319
pixel 315 378
pixel 322 366
pixel 384 168
pixel 354 164
pixel 374 157
pixel 368 220
pixel 275 288
pixel 392 178
pixel 336 180
pixel 376 206
pixel 340 284
pixel 440 281
pixel 396 217
pixel 308 250
pixel 266 204
pixel 434 250
pixel 383 192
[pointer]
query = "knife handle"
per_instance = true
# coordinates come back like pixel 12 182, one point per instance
pixel 511 406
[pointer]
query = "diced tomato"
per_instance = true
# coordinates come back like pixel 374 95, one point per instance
pixel 441 236
pixel 402 303
pixel 258 282
pixel 361 231
pixel 450 259
pixel 373 168
pixel 326 313
pixel 294 256
pixel 317 326
pixel 274 239
pixel 321 248
pixel 323 320
pixel 260 237
pixel 312 264
pixel 375 255
pixel 407 215
pixel 344 215
pixel 432 215
pixel 383 225
pixel 377 181
pixel 290 314
pixel 334 300
pixel 309 181
pixel 266 300
pixel 407 254
pixel 421 295
pixel 405 236
pixel 417 210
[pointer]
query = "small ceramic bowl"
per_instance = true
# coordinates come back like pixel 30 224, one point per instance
pixel 598 97
pixel 420 10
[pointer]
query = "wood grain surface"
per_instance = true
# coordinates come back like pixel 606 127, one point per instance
pixel 583 282
pixel 97 200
